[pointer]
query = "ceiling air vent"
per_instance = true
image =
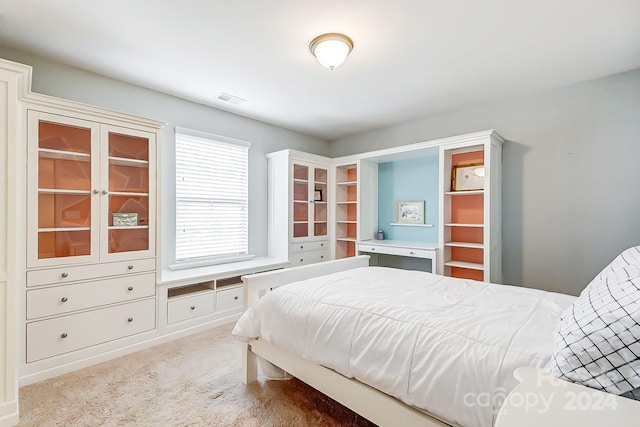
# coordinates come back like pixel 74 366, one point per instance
pixel 230 98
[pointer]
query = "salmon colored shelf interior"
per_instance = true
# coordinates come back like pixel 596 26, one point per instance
pixel 467 209
pixel 63 170
pixel 466 273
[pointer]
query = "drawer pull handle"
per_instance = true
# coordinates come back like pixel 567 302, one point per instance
pixel 130 319
pixel 65 275
pixel 411 253
pixel 301 246
pixel 95 191
pixel 373 249
pixel 130 267
pixel 321 244
pixel 64 299
pixel 104 191
pixel 64 335
pixel 130 288
pixel 301 259
pixel 193 307
pixel 236 297
pixel 321 256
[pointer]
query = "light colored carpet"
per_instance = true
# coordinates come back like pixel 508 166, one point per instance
pixel 192 381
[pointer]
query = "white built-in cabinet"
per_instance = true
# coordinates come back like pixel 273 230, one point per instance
pixel 469 226
pixel 79 241
pixel 299 210
pixel 91 233
pixel 319 207
pixel 13 78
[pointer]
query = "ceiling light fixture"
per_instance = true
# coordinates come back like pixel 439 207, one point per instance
pixel 331 49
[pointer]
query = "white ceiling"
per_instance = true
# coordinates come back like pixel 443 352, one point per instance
pixel 411 58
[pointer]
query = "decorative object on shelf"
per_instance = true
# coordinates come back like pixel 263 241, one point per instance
pixel 317 196
pixel 331 49
pixel 467 178
pixel 125 219
pixel 380 235
pixel 410 211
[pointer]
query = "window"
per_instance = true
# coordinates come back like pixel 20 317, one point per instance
pixel 211 197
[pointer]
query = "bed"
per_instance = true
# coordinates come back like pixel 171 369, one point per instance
pixel 398 347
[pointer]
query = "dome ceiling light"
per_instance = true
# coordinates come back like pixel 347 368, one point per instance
pixel 331 49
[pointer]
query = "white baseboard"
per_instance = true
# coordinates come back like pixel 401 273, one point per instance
pixel 9 414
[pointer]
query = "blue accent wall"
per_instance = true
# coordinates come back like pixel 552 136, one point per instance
pixel 412 179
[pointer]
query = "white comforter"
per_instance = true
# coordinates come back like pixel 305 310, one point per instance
pixel 447 346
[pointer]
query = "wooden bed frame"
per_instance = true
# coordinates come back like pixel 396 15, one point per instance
pixel 385 410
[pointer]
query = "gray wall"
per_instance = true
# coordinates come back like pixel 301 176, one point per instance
pixel 570 192
pixel 62 81
pixel 571 187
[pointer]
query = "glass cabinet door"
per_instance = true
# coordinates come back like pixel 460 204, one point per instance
pixel 309 201
pixel 128 191
pixel 320 202
pixel 91 188
pixel 300 201
pixel 63 209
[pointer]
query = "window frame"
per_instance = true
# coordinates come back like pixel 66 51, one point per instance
pixel 186 136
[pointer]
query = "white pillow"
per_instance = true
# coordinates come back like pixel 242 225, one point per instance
pixel 597 341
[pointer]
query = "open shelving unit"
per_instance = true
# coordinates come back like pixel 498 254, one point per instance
pixel 346 210
pixel 464 216
pixel 470 232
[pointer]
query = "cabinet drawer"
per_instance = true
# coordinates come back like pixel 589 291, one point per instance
pixel 188 307
pixel 229 299
pixel 64 334
pixel 59 275
pixel 391 250
pixel 304 258
pixel 79 296
pixel 308 246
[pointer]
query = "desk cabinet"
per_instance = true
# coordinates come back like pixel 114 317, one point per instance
pixel 401 248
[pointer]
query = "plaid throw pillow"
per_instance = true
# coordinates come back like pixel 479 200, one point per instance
pixel 597 341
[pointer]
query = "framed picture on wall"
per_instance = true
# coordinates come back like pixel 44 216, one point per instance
pixel 410 211
pixel 467 178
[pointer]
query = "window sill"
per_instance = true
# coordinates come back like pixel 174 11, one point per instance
pixel 210 262
pixel 211 272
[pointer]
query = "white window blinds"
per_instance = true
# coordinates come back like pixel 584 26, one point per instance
pixel 211 196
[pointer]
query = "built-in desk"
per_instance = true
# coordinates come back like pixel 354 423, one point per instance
pixel 400 248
